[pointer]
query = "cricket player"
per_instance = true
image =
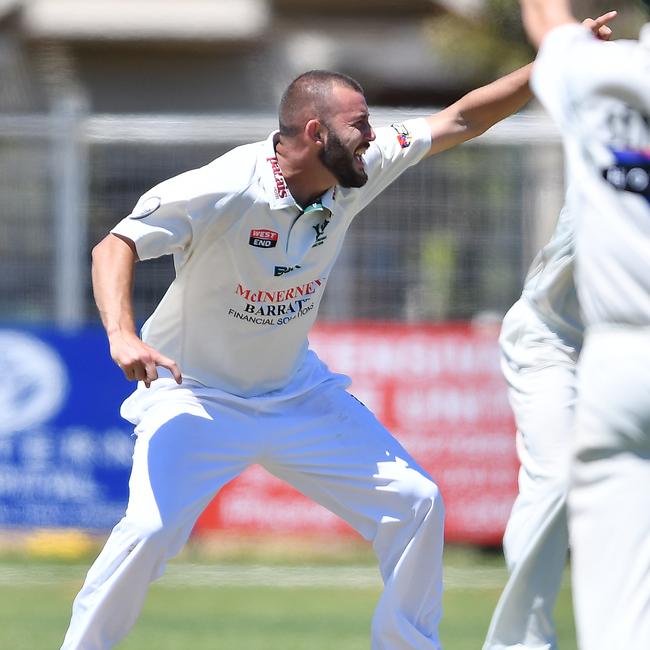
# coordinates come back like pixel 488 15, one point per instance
pixel 599 94
pixel 540 342
pixel 225 374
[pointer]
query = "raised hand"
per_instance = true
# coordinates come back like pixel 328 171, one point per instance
pixel 599 26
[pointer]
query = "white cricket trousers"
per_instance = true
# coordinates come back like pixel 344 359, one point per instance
pixel 609 500
pixel 539 363
pixel 325 443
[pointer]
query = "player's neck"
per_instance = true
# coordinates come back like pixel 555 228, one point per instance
pixel 306 177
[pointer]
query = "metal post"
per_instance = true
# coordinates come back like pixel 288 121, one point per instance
pixel 70 164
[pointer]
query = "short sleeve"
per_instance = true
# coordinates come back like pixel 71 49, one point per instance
pixel 394 150
pixel 159 223
pixel 170 217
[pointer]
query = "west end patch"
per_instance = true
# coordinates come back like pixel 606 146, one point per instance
pixel 263 238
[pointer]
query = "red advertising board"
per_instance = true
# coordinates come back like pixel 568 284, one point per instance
pixel 439 389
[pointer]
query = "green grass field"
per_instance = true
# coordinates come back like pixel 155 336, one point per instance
pixel 255 601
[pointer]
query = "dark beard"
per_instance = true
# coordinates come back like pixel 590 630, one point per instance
pixel 340 162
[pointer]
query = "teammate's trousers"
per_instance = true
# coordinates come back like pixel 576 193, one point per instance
pixel 539 363
pixel 609 501
pixel 325 443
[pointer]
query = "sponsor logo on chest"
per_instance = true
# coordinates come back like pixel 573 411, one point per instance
pixel 276 307
pixel 630 172
pixel 281 270
pixel 261 238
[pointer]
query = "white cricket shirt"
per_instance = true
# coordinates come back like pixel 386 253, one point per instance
pixel 599 94
pixel 550 287
pixel 251 265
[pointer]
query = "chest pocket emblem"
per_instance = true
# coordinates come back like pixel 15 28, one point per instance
pixel 317 209
pixel 320 232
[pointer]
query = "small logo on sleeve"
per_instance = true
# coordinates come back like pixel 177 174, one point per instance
pixel 147 207
pixel 404 137
pixel 263 238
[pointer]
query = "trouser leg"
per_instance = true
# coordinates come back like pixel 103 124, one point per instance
pixel 542 391
pixel 336 452
pixel 536 537
pixel 609 502
pixel 178 465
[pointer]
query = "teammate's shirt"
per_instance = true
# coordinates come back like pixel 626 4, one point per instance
pixel 251 265
pixel 550 288
pixel 599 94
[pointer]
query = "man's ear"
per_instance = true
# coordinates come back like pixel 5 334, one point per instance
pixel 315 131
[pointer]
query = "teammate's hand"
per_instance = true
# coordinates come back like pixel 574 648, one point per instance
pixel 599 25
pixel 139 361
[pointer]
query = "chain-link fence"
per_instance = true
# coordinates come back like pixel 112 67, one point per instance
pixel 451 239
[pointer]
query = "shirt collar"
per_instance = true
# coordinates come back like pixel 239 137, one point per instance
pixel 275 186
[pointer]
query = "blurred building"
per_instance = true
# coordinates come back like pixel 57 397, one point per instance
pixel 213 55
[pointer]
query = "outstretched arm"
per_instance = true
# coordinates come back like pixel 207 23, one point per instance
pixel 480 109
pixel 114 261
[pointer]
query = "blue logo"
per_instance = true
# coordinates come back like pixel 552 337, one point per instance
pixel 630 172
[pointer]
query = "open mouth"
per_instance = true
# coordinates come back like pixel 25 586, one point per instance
pixel 359 153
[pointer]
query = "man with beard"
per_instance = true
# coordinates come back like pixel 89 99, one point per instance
pixel 226 377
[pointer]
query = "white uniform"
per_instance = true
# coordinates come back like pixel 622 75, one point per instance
pixel 540 342
pixel 251 267
pixel 599 93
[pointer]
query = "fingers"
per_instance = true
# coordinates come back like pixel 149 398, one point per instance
pixel 144 367
pixel 599 25
pixel 150 373
pixel 128 371
pixel 135 371
pixel 606 18
pixel 170 364
pixel 603 33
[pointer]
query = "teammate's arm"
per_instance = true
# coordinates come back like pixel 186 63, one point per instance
pixel 542 16
pixel 113 268
pixel 480 109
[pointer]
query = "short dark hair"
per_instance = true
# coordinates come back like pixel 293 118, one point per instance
pixel 311 90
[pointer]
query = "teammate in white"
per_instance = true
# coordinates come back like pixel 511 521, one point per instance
pixel 599 94
pixel 540 342
pixel 254 236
